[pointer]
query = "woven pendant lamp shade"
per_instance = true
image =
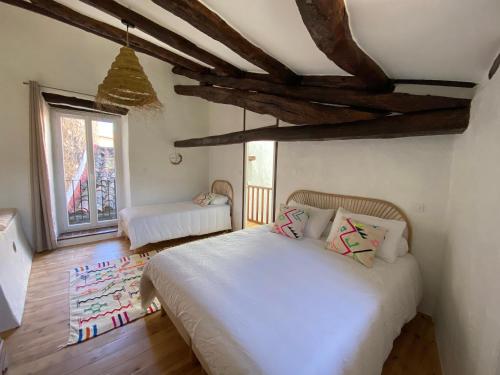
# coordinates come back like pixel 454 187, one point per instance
pixel 127 84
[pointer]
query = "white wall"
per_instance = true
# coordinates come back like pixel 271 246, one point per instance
pixel 37 48
pixel 468 313
pixel 226 162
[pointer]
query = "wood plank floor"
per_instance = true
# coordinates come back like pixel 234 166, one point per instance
pixel 147 346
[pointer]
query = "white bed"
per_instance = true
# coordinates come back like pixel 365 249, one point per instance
pixel 160 222
pixel 254 302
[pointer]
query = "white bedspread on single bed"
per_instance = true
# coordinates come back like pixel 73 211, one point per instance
pixel 254 302
pixel 159 222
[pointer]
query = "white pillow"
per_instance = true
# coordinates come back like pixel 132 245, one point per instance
pixel 403 247
pixel 318 219
pixel 219 199
pixel 389 250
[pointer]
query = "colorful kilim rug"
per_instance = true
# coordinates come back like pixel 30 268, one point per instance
pixel 106 295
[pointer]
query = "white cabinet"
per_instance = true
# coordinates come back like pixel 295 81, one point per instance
pixel 15 266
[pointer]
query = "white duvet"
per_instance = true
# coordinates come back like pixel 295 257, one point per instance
pixel 160 222
pixel 254 302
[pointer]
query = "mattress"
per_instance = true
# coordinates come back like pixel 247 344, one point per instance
pixel 254 302
pixel 154 223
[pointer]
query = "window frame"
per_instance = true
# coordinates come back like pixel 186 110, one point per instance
pixel 58 165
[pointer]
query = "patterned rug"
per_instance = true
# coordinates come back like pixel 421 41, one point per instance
pixel 106 295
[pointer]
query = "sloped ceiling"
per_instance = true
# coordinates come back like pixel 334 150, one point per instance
pixel 413 39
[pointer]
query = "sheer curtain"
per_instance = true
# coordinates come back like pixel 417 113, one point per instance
pixel 44 228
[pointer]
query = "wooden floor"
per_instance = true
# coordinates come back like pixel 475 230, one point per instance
pixel 146 346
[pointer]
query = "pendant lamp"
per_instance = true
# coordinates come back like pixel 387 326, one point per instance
pixel 126 84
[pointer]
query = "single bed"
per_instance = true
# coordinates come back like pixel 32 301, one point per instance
pixel 254 302
pixel 160 222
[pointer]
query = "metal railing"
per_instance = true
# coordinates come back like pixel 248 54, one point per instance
pixel 259 204
pixel 106 199
pixel 78 206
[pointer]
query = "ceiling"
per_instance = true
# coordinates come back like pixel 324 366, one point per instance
pixel 413 39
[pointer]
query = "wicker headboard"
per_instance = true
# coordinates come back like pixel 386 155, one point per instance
pixel 225 188
pixel 358 205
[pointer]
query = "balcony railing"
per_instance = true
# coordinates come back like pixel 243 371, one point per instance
pixel 77 192
pixel 78 206
pixel 259 204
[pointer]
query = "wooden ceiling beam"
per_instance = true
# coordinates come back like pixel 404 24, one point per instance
pixel 494 67
pixel 56 99
pixel 67 15
pixel 356 83
pixel 210 23
pixel 453 121
pixel 328 24
pixel 164 35
pixel 434 82
pixel 339 82
pixel 388 102
pixel 289 110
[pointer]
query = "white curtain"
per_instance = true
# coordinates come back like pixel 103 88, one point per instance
pixel 44 228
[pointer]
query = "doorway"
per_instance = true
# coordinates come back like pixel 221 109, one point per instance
pixel 259 186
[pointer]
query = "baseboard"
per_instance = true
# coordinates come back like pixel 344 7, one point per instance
pixel 87 239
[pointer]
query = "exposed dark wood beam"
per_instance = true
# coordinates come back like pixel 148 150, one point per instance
pixel 434 82
pixel 210 23
pixel 68 107
pixel 165 35
pixel 410 125
pixel 355 83
pixel 494 67
pixel 328 24
pixel 389 102
pixel 289 110
pixel 64 14
pixel 56 99
pixel 339 82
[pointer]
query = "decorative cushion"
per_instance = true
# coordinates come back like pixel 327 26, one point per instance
pixel 219 199
pixel 318 219
pixel 357 240
pixel 290 222
pixel 395 229
pixel 204 199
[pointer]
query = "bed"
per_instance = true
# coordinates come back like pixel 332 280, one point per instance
pixel 160 222
pixel 254 302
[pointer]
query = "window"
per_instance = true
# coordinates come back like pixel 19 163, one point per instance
pixel 87 169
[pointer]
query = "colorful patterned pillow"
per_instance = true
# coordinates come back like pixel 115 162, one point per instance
pixel 356 240
pixel 204 199
pixel 290 222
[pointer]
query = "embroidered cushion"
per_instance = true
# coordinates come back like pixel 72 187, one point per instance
pixel 290 222
pixel 356 240
pixel 204 199
pixel 394 232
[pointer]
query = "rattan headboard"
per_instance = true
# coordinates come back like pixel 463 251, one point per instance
pixel 358 205
pixel 225 188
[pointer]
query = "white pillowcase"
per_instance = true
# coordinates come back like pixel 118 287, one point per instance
pixel 318 219
pixel 403 247
pixel 219 199
pixel 390 248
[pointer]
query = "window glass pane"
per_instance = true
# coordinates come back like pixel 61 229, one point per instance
pixel 75 170
pixel 105 171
